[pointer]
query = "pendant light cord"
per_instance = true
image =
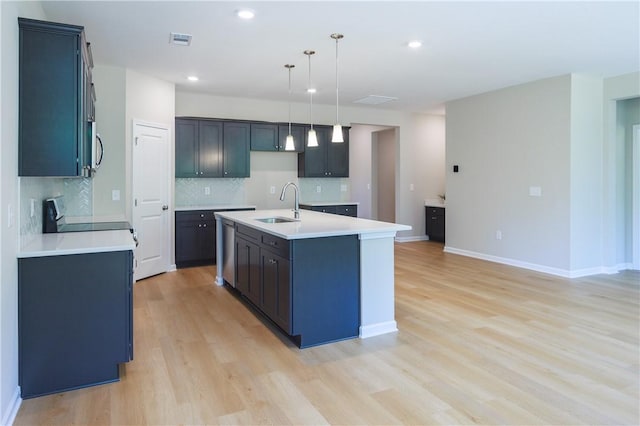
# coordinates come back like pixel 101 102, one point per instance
pixel 337 103
pixel 310 94
pixel 289 67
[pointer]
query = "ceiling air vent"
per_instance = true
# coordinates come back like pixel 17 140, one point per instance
pixel 180 39
pixel 375 100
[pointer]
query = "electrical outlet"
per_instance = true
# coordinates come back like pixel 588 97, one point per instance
pixel 535 191
pixel 498 235
pixel 207 190
pixel 115 195
pixel 272 189
pixel 343 188
pixel 318 189
pixel 411 187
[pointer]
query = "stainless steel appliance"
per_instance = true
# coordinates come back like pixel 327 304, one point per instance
pixel 228 252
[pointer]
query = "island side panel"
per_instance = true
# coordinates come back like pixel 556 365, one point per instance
pixel 325 289
pixel 377 310
pixel 219 249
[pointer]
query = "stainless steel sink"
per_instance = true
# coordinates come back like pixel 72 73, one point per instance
pixel 277 220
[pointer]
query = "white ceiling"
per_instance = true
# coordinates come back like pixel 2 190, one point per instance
pixel 468 47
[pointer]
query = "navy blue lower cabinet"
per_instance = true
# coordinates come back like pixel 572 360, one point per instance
pixel 75 320
pixel 309 288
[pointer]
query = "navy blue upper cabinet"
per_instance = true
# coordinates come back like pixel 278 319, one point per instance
pixel 235 149
pixel 209 148
pixel 328 159
pixel 55 100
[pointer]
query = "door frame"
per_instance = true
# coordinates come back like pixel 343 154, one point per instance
pixel 635 188
pixel 167 243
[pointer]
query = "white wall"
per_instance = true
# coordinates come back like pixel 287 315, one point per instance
pixel 504 142
pixel 9 201
pixel 586 175
pixel 110 83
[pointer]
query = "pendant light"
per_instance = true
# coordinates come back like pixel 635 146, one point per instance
pixel 312 138
pixel 337 128
pixel 289 144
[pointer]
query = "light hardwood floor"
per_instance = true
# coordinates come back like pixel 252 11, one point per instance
pixel 479 343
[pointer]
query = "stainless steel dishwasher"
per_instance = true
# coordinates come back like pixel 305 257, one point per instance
pixel 228 252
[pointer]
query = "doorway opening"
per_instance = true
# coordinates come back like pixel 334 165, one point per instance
pixel 383 174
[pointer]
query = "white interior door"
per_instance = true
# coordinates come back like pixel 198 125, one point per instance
pixel 151 198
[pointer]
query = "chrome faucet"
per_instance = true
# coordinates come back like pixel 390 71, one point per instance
pixel 296 210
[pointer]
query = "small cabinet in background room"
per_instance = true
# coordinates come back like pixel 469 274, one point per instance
pixel 435 223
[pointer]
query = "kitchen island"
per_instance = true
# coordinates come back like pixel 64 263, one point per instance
pixel 320 278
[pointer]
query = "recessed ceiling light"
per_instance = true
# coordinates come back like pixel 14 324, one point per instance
pixel 414 44
pixel 311 90
pixel 192 78
pixel 245 13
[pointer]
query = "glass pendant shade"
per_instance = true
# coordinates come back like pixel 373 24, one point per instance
pixel 289 145
pixel 312 139
pixel 337 134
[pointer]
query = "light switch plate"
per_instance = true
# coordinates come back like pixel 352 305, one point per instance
pixel 115 195
pixel 272 189
pixel 318 189
pixel 343 188
pixel 207 190
pixel 535 191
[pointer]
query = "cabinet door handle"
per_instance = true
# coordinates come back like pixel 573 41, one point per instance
pixel 272 243
pixel 204 226
pixel 272 261
pixel 199 225
pixel 165 207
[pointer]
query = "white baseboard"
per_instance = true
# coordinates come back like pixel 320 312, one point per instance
pixel 378 329
pixel 412 238
pixel 11 412
pixel 565 273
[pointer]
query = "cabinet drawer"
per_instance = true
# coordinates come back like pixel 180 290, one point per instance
pixel 435 211
pixel 277 245
pixel 195 215
pixel 347 210
pixel 324 209
pixel 248 232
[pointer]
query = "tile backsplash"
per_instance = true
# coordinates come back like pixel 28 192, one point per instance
pixel 331 189
pixel 77 193
pixel 202 191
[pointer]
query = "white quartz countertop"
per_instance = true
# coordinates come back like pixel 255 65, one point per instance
pixel 328 203
pixel 433 202
pixel 311 224
pixel 77 243
pixel 214 207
